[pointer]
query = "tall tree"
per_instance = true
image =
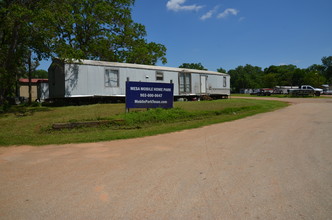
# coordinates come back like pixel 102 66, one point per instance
pixel 40 74
pixel 19 36
pixel 70 29
pixel 270 80
pixel 298 76
pixel 103 30
pixel 246 77
pixel 284 74
pixel 316 68
pixel 327 64
pixel 221 70
pixel 314 79
pixel 196 66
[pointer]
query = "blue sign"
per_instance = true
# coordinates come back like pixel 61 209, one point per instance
pixel 149 95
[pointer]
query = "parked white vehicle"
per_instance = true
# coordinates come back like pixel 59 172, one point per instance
pixel 305 90
pixel 327 92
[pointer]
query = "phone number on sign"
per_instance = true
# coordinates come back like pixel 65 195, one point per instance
pixel 151 95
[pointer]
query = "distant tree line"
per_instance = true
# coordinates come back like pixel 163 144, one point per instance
pixel 31 31
pixel 253 77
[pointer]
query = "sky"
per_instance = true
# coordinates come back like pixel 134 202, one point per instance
pixel 230 33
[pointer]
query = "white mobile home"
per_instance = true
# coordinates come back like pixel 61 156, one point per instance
pixel 87 78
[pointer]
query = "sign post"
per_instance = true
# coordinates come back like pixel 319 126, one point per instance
pixel 149 95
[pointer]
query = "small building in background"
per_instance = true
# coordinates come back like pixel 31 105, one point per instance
pixel 39 89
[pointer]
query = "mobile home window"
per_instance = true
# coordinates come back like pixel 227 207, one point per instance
pixel 159 76
pixel 111 78
pixel 185 82
pixel 225 82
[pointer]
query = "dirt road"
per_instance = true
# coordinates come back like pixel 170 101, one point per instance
pixel 276 165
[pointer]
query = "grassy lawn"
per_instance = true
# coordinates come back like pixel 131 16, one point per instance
pixel 33 126
pixel 273 95
pixel 282 96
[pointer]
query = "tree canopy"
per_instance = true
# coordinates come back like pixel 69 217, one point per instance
pixel 221 70
pixel 327 68
pixel 247 76
pixel 253 77
pixel 250 77
pixel 39 74
pixel 197 66
pixel 69 29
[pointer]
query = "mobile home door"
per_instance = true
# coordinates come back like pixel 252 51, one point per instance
pixel 203 84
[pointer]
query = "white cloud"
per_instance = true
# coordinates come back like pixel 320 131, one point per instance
pixel 228 11
pixel 177 5
pixel 209 13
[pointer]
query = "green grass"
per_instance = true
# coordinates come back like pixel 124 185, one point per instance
pixel 32 126
pixel 281 96
pixel 273 95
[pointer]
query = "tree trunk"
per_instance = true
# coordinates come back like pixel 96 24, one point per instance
pixel 29 74
pixel 9 66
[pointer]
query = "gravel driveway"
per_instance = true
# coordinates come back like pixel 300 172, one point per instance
pixel 275 165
